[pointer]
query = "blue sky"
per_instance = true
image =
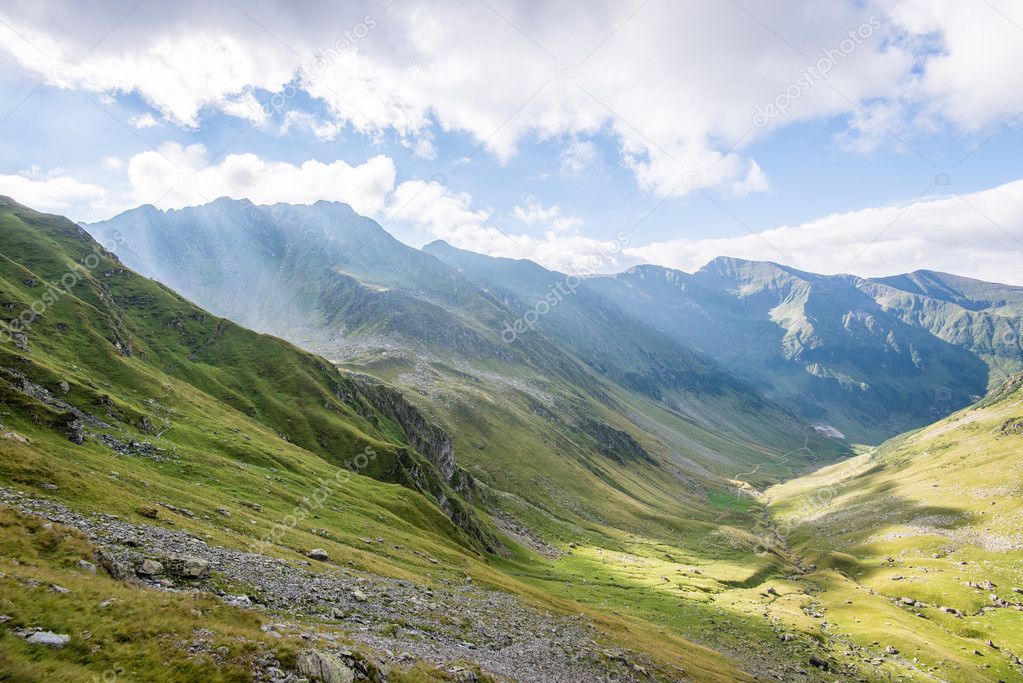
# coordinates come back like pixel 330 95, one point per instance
pixel 483 136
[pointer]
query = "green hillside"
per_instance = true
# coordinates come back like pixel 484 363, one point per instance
pixel 919 546
pixel 147 424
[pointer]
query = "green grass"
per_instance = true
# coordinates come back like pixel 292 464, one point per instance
pixel 926 514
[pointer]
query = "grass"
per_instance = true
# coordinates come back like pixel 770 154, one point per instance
pixel 922 518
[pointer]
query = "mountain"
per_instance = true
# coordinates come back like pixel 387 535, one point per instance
pixel 871 358
pixel 170 450
pixel 100 320
pixel 418 514
pixel 919 542
pixel 337 284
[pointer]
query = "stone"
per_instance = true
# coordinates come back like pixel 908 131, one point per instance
pixel 149 568
pixel 238 600
pixel 223 512
pixel 117 569
pixel 187 567
pixel 891 650
pixel 87 566
pixel 324 667
pixel 821 664
pixel 318 554
pixel 359 595
pixel 64 387
pixel 49 639
pixel 59 589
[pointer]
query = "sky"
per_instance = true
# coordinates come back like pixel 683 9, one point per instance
pixel 865 137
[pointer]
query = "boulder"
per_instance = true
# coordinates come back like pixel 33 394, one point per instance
pixel 318 554
pixel 324 667
pixel 49 639
pixel 76 431
pixel 117 569
pixel 149 568
pixel 188 567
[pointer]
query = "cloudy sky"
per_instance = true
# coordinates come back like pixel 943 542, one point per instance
pixel 843 136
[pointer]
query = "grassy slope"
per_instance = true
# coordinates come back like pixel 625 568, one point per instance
pixel 222 400
pixel 922 517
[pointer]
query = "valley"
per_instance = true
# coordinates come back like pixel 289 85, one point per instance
pixel 425 501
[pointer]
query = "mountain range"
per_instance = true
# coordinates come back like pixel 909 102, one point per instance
pixel 247 442
pixel 869 358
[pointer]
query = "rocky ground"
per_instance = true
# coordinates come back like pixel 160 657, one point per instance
pixel 459 627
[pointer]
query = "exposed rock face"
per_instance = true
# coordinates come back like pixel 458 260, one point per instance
pixel 616 444
pixel 324 667
pixel 187 567
pixel 76 431
pixel 150 568
pixel 427 438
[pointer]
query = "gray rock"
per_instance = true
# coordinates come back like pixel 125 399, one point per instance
pixel 187 567
pixel 359 595
pixel 318 554
pixel 324 667
pixel 76 431
pixel 49 639
pixel 117 569
pixel 64 387
pixel 149 568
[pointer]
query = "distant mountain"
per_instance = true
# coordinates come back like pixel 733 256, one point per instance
pixel 607 391
pixel 871 358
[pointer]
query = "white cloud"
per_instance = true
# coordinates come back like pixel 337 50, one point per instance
pixel 579 156
pixel 444 214
pixel 678 87
pixel 177 176
pixel 978 235
pixel 534 214
pixel 55 194
pixel 142 121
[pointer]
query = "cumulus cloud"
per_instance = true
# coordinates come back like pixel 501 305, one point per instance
pixel 978 235
pixel 680 89
pixel 440 213
pixel 533 213
pixel 56 194
pixel 174 176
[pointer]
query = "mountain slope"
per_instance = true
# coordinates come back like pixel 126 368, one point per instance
pixel 354 294
pixel 864 356
pixel 149 425
pixel 99 319
pixel 924 536
pixel 192 425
